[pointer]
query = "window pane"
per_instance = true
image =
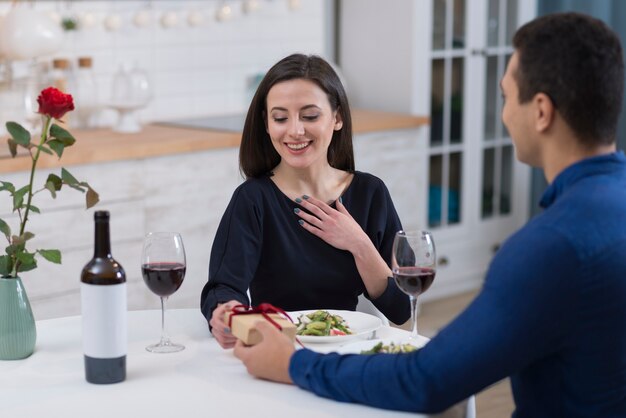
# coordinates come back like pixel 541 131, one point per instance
pixel 435 186
pixel 492 114
pixel 456 186
pixel 456 101
pixel 436 109
pixel 511 21
pixel 505 132
pixel 439 24
pixel 506 180
pixel 488 170
pixel 493 13
pixel 458 25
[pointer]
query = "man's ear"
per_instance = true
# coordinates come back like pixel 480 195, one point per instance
pixel 544 112
pixel 338 120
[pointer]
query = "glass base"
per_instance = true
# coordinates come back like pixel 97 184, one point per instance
pixel 165 348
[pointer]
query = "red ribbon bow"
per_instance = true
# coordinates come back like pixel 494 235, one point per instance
pixel 264 309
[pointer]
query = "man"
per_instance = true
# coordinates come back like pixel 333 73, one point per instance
pixel 552 312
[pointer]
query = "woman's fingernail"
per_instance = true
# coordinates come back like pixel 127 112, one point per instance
pixel 296 210
pixel 298 200
pixel 300 221
pixel 305 196
pixel 226 330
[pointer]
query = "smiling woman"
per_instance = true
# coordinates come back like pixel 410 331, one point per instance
pixel 305 231
pixel 301 124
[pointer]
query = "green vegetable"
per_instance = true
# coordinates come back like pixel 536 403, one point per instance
pixel 315 332
pixel 390 349
pixel 317 325
pixel 321 323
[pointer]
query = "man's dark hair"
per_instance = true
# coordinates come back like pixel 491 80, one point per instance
pixel 257 156
pixel 577 61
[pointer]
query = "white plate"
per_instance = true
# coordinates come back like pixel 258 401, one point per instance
pixel 361 324
pixel 358 346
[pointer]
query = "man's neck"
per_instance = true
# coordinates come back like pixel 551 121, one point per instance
pixel 555 161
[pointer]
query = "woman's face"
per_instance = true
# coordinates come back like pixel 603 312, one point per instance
pixel 300 122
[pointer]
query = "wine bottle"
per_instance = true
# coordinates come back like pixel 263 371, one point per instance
pixel 103 306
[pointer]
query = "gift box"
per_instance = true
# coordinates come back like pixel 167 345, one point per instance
pixel 242 324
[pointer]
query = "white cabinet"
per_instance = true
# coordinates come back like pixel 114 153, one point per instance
pixel 444 58
pixel 186 193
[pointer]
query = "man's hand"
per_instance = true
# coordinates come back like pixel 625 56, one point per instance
pixel 268 359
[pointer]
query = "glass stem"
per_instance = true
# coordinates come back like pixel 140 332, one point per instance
pixel 414 317
pixel 165 339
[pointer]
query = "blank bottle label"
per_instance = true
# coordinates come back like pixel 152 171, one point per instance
pixel 104 320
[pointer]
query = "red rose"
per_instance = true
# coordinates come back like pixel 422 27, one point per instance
pixel 53 102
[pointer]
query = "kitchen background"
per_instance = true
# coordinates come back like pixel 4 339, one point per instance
pixel 199 57
pixel 181 59
pixel 438 58
pixel 169 59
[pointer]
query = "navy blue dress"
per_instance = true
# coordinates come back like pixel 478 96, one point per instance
pixel 260 245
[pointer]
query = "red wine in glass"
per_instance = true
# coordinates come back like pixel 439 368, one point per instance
pixel 163 279
pixel 414 280
pixel 163 266
pixel 413 264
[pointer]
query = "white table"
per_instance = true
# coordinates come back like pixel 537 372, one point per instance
pixel 201 381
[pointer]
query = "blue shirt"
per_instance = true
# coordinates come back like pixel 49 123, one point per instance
pixel 261 246
pixel 551 315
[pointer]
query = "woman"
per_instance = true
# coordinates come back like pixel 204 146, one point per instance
pixel 305 230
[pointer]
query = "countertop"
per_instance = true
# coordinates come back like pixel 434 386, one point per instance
pixel 104 145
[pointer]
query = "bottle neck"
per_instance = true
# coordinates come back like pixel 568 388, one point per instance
pixel 102 246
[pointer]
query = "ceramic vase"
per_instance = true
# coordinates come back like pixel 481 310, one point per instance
pixel 17 324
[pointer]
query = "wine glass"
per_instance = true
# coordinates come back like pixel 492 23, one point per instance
pixel 413 264
pixel 163 268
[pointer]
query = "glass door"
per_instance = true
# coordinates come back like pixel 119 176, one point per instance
pixel 447 138
pixel 474 179
pixel 497 149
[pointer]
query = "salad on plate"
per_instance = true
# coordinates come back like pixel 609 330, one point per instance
pixel 322 323
pixel 333 326
pixel 391 348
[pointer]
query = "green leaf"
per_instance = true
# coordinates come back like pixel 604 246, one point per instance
pixel 51 188
pixel 44 149
pixel 5 185
pixel 25 257
pixel 56 146
pixel 26 261
pixel 54 256
pixel 12 249
pixel 18 133
pixel 77 187
pixel 53 184
pixel 18 197
pixel 61 134
pixel 5 229
pixel 68 178
pixel 35 209
pixel 6 265
pixel 55 180
pixel 92 197
pixel 12 147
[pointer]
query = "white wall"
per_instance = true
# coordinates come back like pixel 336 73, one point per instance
pixel 194 70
